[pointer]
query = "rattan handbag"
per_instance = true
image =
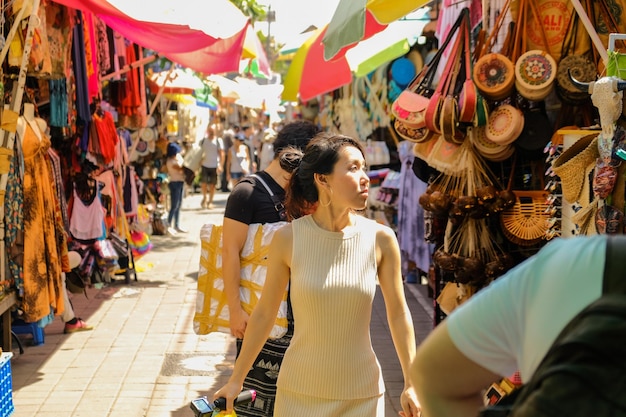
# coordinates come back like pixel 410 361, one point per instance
pixel 494 73
pixel 525 223
pixel 535 69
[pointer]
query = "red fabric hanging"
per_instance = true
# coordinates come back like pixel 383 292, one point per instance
pixel 192 48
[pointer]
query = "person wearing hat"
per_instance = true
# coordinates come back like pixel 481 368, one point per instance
pixel 176 185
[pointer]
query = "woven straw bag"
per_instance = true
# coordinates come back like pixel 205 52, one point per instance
pixel 494 73
pixel 535 69
pixel 525 223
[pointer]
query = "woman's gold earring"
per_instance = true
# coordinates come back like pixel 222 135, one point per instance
pixel 329 199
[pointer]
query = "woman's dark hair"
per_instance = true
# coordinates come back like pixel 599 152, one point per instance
pixel 295 134
pixel 320 157
pixel 289 158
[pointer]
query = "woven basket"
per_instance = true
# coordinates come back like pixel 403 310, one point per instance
pixel 525 223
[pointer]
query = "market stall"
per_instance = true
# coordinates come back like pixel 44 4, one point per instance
pixel 82 136
pixel 494 99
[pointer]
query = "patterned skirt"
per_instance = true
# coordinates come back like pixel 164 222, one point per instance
pixel 264 373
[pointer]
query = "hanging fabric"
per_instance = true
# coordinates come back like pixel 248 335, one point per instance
pixel 80 73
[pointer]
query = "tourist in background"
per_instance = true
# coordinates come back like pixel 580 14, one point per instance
pixel 212 162
pixel 176 184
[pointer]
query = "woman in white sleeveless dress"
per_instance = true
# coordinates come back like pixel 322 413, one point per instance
pixel 333 259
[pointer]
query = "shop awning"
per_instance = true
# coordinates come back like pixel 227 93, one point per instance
pixel 207 37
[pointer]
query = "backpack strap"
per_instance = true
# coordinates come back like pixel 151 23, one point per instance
pixel 278 204
pixel 614 280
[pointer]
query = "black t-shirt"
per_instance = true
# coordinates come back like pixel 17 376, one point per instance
pixel 249 202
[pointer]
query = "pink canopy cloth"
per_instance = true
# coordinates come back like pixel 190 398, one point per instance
pixel 211 48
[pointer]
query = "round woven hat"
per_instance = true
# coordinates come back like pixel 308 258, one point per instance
pixel 571 166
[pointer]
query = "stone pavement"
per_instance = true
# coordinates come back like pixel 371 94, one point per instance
pixel 143 358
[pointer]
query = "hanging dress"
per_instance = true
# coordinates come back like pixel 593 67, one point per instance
pixel 411 214
pixel 43 285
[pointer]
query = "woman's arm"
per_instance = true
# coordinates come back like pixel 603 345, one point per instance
pixel 447 382
pixel 234 236
pixel 264 314
pixel 398 314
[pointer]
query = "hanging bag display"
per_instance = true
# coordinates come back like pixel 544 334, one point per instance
pixel 581 66
pixel 449 108
pixel 459 104
pixel 410 107
pixel 468 98
pixel 447 81
pixel 505 124
pixel 535 70
pixel 525 223
pixel 494 74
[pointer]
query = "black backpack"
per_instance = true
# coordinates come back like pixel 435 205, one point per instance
pixel 584 371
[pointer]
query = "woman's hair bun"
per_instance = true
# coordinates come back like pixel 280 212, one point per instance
pixel 290 158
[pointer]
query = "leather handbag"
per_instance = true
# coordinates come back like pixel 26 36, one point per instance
pixel 410 107
pixel 461 107
pixel 445 88
pixel 449 108
pixel 468 98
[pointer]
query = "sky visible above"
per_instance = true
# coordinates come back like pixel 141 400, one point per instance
pixel 295 16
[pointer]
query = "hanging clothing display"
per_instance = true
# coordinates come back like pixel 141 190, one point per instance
pixel 55 164
pixel 87 218
pixel 80 73
pixel 14 219
pixel 410 215
pixel 59 29
pixel 43 231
